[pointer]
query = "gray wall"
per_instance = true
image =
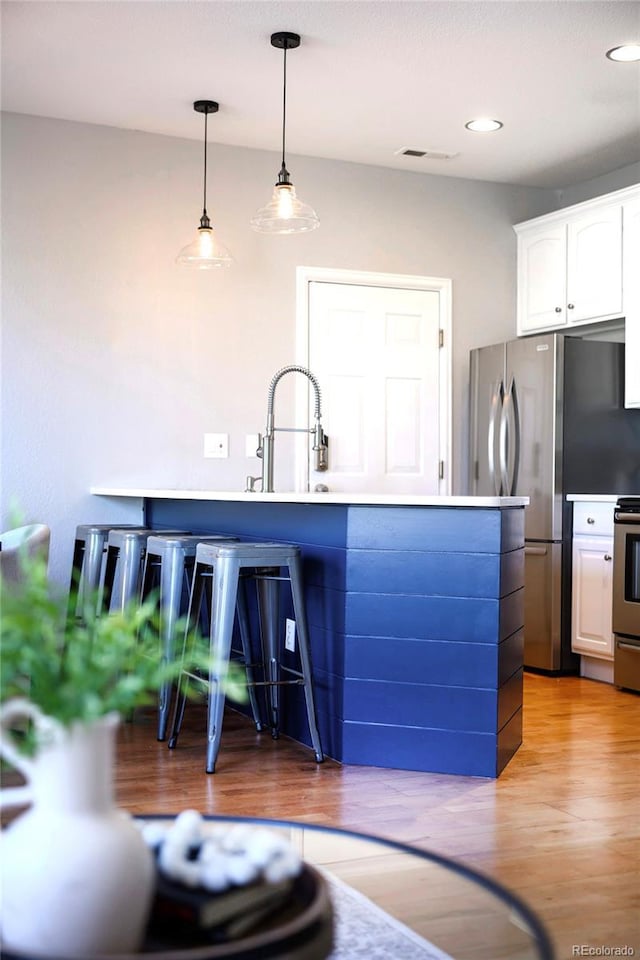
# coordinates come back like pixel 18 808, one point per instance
pixel 588 189
pixel 115 361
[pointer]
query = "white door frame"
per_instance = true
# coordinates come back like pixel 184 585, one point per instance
pixel 440 285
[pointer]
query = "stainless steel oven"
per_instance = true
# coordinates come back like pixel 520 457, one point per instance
pixel 626 593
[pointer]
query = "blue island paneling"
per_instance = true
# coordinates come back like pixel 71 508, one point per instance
pixel 416 624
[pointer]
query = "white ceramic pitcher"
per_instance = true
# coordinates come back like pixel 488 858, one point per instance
pixel 76 875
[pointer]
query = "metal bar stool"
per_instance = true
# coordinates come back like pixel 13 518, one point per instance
pixel 126 550
pixel 168 565
pixel 263 561
pixel 89 548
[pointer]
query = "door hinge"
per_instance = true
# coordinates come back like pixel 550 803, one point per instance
pixel 441 338
pixel 441 469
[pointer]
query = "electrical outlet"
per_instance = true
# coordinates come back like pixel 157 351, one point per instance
pixel 290 636
pixel 216 445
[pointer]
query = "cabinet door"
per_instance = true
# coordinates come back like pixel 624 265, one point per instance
pixel 542 265
pixel 594 265
pixel 631 281
pixel 592 597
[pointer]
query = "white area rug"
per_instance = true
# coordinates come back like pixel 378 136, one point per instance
pixel 364 930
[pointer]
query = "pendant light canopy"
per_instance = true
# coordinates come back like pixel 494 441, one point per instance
pixel 285 213
pixel 205 252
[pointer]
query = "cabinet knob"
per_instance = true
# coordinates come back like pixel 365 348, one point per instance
pixel 570 306
pixel 608 556
pixel 590 520
pixel 558 309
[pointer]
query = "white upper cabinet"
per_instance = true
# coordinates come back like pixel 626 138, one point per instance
pixel 594 265
pixel 542 278
pixel 631 298
pixel 572 264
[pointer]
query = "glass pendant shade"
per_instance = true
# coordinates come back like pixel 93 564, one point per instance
pixel 285 213
pixel 205 252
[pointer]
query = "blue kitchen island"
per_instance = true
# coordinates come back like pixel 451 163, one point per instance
pixel 415 608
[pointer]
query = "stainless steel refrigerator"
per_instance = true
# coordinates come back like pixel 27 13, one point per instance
pixel 547 418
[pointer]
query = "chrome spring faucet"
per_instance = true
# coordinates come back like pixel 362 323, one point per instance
pixel 266 444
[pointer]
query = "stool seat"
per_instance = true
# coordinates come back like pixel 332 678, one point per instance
pixel 185 541
pixel 126 550
pixel 225 564
pixel 260 554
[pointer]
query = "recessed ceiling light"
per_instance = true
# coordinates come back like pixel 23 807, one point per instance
pixel 627 53
pixel 483 125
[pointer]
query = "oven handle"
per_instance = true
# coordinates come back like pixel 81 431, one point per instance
pixel 626 518
pixel 629 646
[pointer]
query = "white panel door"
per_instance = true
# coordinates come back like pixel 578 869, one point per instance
pixel 375 351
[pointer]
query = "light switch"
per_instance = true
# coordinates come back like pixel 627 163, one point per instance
pixel 251 444
pixel 216 445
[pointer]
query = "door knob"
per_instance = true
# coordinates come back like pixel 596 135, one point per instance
pixel 608 556
pixel 590 520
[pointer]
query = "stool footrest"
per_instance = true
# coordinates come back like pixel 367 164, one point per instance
pixel 275 683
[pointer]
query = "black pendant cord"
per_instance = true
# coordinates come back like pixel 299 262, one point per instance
pixel 204 220
pixel 283 176
pixel 284 109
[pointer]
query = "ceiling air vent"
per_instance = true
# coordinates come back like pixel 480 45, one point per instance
pixel 428 154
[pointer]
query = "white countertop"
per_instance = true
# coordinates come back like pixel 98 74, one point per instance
pixel 593 497
pixel 363 499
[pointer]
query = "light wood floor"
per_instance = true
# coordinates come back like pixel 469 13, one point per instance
pixel 560 827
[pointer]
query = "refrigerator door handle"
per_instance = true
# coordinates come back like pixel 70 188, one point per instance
pixel 495 411
pixel 510 440
pixel 515 420
pixel 504 445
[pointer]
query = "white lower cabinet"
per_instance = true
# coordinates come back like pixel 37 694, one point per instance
pixel 592 582
pixel 592 596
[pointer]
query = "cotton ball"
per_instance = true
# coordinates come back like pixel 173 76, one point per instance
pixel 213 873
pixel 240 869
pixel 170 857
pixel 188 872
pixel 210 850
pixel 284 865
pixel 237 839
pixel 188 826
pixel 216 831
pixel 263 846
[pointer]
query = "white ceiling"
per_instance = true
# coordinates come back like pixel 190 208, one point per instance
pixel 369 78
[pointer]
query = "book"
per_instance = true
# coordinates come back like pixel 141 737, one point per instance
pixel 221 916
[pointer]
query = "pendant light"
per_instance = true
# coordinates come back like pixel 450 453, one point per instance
pixel 285 213
pixel 205 252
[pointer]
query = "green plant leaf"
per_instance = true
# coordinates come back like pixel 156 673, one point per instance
pixel 79 668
